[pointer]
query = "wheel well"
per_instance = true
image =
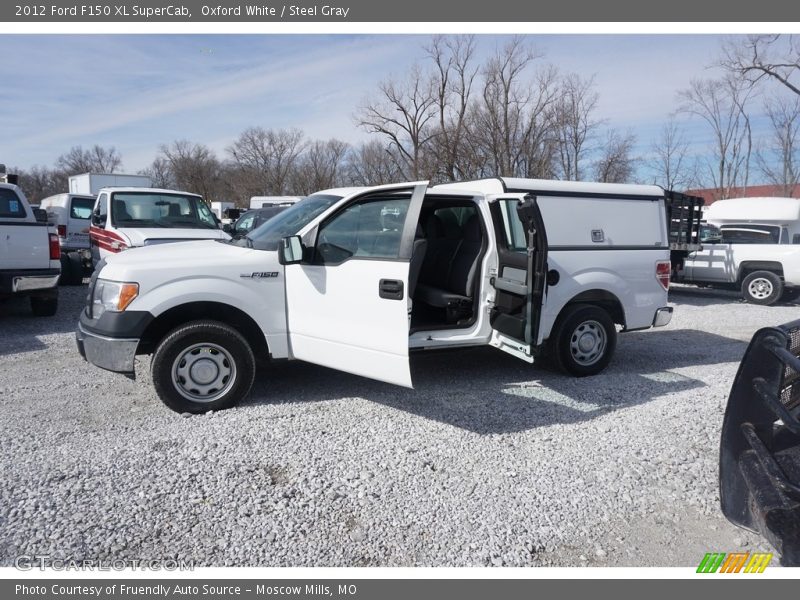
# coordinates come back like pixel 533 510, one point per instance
pixel 602 298
pixel 193 311
pixel 750 266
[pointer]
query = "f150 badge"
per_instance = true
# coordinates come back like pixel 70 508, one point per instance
pixel 259 274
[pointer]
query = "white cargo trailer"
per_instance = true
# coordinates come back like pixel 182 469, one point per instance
pixel 91 183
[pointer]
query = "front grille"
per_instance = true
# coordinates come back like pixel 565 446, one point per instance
pixel 790 385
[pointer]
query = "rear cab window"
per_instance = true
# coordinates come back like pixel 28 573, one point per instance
pixel 81 208
pixel 10 205
pixel 750 234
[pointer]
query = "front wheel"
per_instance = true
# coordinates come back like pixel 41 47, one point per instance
pixel 202 366
pixel 762 287
pixel 584 340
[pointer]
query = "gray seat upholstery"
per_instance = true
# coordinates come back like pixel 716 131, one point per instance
pixel 456 288
pixel 417 258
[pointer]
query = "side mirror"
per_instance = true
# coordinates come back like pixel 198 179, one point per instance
pixel 40 215
pixel 227 228
pixel 290 250
pixel 99 220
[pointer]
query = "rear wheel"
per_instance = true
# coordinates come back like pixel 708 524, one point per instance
pixel 44 306
pixel 584 340
pixel 71 269
pixel 762 287
pixel 202 366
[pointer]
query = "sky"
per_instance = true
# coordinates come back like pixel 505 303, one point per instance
pixel 136 92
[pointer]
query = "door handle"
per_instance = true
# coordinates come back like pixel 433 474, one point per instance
pixel 391 289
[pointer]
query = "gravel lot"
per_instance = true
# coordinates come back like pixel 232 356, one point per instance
pixel 488 462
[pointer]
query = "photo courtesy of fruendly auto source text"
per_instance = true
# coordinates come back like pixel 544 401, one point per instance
pixel 402 300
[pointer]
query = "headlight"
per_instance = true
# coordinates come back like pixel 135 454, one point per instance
pixel 112 295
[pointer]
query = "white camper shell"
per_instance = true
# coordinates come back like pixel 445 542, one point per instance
pixel 355 279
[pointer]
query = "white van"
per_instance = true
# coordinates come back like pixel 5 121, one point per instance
pixel 71 214
pixel 127 217
pixel 354 279
pixel 750 244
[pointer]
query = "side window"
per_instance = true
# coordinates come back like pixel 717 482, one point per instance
pixel 372 228
pixel 101 212
pixel 10 205
pixel 515 232
pixel 246 224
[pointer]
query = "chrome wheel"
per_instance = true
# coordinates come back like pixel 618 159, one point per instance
pixel 760 288
pixel 203 372
pixel 588 343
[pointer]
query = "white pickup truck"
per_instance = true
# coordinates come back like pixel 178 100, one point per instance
pixel 128 217
pixel 749 244
pixel 353 279
pixel 29 252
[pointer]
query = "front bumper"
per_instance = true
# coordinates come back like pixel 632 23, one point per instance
pixel 663 316
pixel 111 354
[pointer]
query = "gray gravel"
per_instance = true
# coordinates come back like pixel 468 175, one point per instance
pixel 488 462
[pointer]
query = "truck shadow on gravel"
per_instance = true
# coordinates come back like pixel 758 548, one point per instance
pixel 21 330
pixel 696 296
pixel 487 392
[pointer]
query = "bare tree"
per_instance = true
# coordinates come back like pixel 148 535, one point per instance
pixel 267 158
pixel 575 124
pixel 511 122
pixel 96 159
pixel 454 77
pixel 403 112
pixel 194 168
pixel 371 164
pixel 616 163
pixel 722 105
pixel 671 166
pixel 39 182
pixel 321 166
pixel 779 161
pixel 160 173
pixel 759 57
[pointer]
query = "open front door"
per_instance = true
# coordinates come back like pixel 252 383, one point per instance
pixel 347 301
pixel 521 275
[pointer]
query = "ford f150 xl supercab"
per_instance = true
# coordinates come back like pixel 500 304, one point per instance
pixel 353 279
pixel 29 252
pixel 127 217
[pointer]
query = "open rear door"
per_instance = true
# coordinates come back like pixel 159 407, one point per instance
pixel 521 274
pixel 347 301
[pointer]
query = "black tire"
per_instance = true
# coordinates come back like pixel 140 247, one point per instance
pixel 213 346
pixel 790 294
pixel 591 323
pixel 66 270
pixel 44 306
pixel 76 269
pixel 762 287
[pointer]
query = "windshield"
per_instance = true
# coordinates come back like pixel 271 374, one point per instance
pixel 290 221
pixel 148 209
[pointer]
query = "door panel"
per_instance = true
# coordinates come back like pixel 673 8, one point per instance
pixel 519 284
pixel 713 263
pixel 347 308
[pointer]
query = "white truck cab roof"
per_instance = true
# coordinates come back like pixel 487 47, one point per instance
pixel 754 210
pixel 144 190
pixel 502 185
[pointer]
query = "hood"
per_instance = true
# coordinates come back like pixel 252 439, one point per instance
pixel 141 236
pixel 186 259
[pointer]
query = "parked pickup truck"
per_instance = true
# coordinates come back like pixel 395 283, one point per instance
pixel 29 253
pixel 749 244
pixel 353 279
pixel 127 217
pixel 71 213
